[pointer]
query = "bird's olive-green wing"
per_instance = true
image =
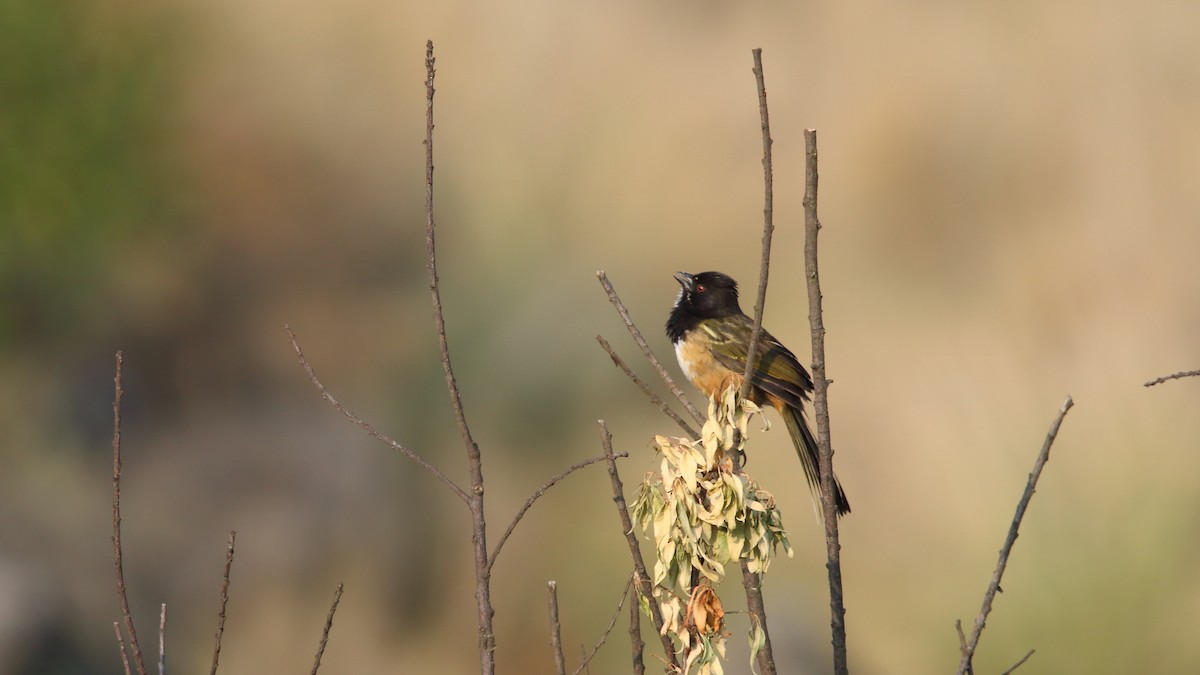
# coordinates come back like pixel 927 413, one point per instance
pixel 777 371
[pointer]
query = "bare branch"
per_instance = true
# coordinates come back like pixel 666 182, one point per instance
pixel 751 581
pixel 162 640
pixel 1018 664
pixel 537 495
pixel 366 426
pixel 641 577
pixel 560 663
pixel 224 600
pixel 768 227
pixel 483 593
pixel 641 343
pixel 962 638
pixel 662 405
pixel 833 547
pixel 637 646
pixel 611 624
pixel 1172 376
pixel 121 645
pixel 964 665
pixel 118 564
pixel 337 597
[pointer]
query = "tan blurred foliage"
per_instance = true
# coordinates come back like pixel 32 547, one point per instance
pixel 1011 214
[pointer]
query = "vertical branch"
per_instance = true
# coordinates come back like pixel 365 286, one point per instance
pixel 750 580
pixel 121 645
pixel 636 644
pixel 118 564
pixel 216 657
pixel 768 225
pixel 162 640
pixel 483 599
pixel 833 547
pixel 968 651
pixel 641 578
pixel 560 662
pixel 337 597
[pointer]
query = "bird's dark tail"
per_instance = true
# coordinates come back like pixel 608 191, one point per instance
pixel 806 447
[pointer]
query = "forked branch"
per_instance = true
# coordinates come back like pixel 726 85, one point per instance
pixel 972 643
pixel 483 591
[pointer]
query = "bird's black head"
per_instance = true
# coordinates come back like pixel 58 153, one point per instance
pixel 707 295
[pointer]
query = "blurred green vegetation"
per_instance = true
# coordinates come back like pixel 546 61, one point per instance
pixel 90 93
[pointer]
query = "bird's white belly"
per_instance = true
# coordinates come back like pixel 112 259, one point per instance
pixel 679 347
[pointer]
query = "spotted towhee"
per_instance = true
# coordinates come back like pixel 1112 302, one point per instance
pixel 711 335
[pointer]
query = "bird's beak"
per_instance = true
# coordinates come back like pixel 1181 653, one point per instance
pixel 686 280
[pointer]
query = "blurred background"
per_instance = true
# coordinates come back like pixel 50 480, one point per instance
pixel 1011 212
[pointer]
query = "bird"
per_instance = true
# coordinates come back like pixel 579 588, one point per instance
pixel 711 335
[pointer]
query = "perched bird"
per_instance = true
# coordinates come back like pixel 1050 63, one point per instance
pixel 711 335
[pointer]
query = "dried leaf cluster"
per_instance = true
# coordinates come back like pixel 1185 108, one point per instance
pixel 704 513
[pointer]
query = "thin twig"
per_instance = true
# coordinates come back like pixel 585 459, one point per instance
pixel 1018 664
pixel 483 593
pixel 162 640
pixel 560 662
pixel 833 547
pixel 1172 376
pixel 637 646
pixel 751 581
pixel 641 578
pixel 534 497
pixel 611 624
pixel 768 226
pixel 337 597
pixel 964 665
pixel 366 426
pixel 641 343
pixel 962 638
pixel 224 600
pixel 118 564
pixel 662 405
pixel 121 645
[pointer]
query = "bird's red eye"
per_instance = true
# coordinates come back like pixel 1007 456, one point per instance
pixel 699 288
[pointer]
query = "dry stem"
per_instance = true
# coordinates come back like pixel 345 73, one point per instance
pixel 968 651
pixel 483 592
pixel 662 405
pixel 833 547
pixel 534 497
pixel 337 597
pixel 366 426
pixel 641 577
pixel 216 656
pixel 641 343
pixel 118 563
